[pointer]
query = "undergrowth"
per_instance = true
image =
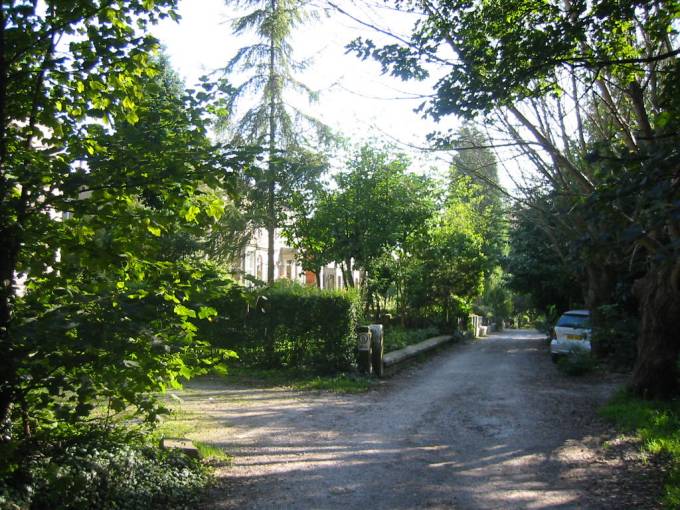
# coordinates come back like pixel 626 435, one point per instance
pixel 397 337
pixel 99 470
pixel 578 362
pixel 657 424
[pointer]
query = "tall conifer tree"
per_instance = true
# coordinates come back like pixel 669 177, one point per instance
pixel 283 131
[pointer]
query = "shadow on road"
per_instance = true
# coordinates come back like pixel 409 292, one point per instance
pixel 488 424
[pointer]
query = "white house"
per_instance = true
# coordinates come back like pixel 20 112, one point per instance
pixel 254 263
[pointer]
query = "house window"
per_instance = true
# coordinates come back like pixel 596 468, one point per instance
pixel 289 269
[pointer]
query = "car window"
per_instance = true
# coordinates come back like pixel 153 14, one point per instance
pixel 574 321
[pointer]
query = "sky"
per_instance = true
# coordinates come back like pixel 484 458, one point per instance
pixel 354 98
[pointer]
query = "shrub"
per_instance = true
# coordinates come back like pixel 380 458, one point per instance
pixel 397 337
pixel 288 325
pixel 577 362
pixel 545 323
pixel 97 471
pixel 615 335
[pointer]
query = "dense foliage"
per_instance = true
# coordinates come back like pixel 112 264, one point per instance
pixel 101 471
pixel 108 182
pixel 288 326
pixel 588 92
pixel 423 251
pixel 541 267
pixel 397 337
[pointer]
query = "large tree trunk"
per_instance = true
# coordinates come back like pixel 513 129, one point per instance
pixel 9 249
pixel 656 369
pixel 349 275
pixel 8 258
pixel 271 233
pixel 600 286
pixel 271 170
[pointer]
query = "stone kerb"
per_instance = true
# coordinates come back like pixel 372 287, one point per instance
pixel 395 357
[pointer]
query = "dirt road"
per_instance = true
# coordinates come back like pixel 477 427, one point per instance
pixel 485 425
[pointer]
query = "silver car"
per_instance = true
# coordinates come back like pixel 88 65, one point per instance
pixel 572 332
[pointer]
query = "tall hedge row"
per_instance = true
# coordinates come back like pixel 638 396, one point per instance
pixel 287 325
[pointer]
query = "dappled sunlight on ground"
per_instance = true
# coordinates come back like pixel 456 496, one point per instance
pixel 489 424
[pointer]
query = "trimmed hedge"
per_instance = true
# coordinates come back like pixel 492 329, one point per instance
pixel 287 325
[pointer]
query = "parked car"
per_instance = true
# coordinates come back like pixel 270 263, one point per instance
pixel 572 332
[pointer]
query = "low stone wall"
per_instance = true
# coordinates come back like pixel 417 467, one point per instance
pixel 395 357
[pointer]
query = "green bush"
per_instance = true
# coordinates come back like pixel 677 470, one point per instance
pixel 546 322
pixel 97 471
pixel 397 337
pixel 577 362
pixel 288 326
pixel 615 335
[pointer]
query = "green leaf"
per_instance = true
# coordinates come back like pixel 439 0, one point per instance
pixel 191 213
pixel 206 311
pixel 132 117
pixel 183 311
pixel 156 231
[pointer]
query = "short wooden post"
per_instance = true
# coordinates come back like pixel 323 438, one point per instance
pixel 377 348
pixel 364 348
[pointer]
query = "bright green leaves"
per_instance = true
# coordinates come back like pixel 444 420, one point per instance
pixel 205 312
pixel 506 51
pixel 114 292
pixel 214 206
pixel 377 205
pixel 191 213
pixel 203 207
pixel 183 311
pixel 130 109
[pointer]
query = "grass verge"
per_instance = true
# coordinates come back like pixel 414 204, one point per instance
pixel 183 424
pixel 342 383
pixel 657 424
pixel 299 380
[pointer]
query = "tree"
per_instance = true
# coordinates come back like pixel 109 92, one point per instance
pixel 309 232
pixel 447 263
pixel 475 160
pixel 540 266
pixel 497 298
pixel 100 131
pixel 271 123
pixel 617 65
pixel 376 207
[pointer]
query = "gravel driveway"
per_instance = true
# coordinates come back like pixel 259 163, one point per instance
pixel 489 424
